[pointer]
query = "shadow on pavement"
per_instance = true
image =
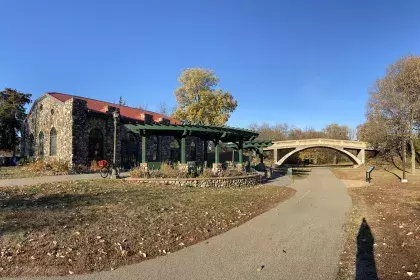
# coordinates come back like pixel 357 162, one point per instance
pixel 365 259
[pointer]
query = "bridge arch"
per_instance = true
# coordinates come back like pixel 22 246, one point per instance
pixel 352 157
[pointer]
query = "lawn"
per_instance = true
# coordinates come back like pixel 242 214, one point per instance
pixel 13 172
pixel 392 211
pixel 93 225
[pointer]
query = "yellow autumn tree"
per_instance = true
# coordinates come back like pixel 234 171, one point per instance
pixel 200 101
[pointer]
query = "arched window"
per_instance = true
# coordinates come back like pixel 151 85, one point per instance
pixel 53 142
pixel 156 154
pixel 193 152
pixel 129 150
pixel 31 145
pixel 41 144
pixel 96 145
pixel 175 155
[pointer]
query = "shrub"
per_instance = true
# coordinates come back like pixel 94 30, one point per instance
pixel 139 172
pixel 54 166
pixel 94 166
pixel 229 172
pixel 207 173
pixel 166 171
pixel 36 166
pixel 80 168
pixel 58 166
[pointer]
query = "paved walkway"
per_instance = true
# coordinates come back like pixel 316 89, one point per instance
pixel 301 238
pixel 49 179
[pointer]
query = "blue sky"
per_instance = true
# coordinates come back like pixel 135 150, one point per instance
pixel 306 63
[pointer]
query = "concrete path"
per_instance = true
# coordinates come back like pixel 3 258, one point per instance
pixel 49 179
pixel 301 238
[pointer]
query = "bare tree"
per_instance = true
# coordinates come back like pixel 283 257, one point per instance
pixel 275 132
pixel 143 107
pixel 164 109
pixel 395 103
pixel 335 131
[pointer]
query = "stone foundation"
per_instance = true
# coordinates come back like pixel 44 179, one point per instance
pixel 220 182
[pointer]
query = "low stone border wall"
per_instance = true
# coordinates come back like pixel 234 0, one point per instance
pixel 215 182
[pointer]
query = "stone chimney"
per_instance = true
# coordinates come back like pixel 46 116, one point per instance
pixel 148 119
pixel 164 121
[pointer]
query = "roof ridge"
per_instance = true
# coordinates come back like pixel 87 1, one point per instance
pixel 117 105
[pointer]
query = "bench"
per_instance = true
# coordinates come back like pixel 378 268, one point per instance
pixel 368 171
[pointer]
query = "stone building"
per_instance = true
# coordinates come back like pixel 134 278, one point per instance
pixel 80 131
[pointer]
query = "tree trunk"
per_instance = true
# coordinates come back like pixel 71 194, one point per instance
pixel 413 156
pixel 404 156
pixel 400 154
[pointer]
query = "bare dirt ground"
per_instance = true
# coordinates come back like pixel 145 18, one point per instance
pixel 388 244
pixel 85 226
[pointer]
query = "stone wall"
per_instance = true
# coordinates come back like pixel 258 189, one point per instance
pixel 84 122
pixel 80 132
pixel 48 113
pixel 199 146
pixel 219 182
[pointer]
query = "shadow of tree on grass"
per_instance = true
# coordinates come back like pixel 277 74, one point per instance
pixel 393 173
pixel 22 212
pixel 365 259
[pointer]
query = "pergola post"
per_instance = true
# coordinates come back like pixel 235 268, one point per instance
pixel 143 164
pixel 240 151
pixel 216 152
pixel 205 143
pixel 240 165
pixel 183 152
pixel 143 149
pixel 261 152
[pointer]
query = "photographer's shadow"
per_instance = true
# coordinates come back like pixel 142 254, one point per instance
pixel 365 259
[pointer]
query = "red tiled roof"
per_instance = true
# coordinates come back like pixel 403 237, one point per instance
pixel 101 106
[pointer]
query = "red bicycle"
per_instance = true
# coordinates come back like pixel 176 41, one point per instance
pixel 106 168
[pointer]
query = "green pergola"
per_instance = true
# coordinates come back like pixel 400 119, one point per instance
pixel 254 145
pixel 216 134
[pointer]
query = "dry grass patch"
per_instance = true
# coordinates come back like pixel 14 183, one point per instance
pixel 94 225
pixel 14 172
pixel 392 210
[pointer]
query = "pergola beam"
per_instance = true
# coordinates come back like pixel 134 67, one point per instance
pixel 228 134
pixel 206 133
